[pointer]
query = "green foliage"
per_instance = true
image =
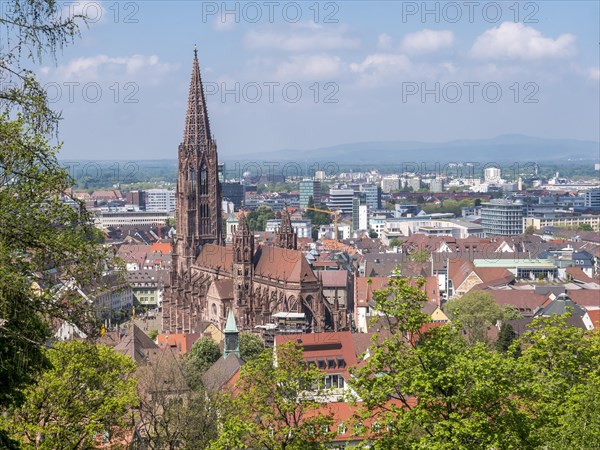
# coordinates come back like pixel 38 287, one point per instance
pixel 50 236
pixel 463 391
pixel 153 334
pixel 395 242
pixel 204 353
pixel 274 407
pixel 257 219
pixel 373 234
pixel 251 345
pixel 506 336
pixel 449 206
pixel 530 230
pixel 585 227
pixel 476 312
pixel 420 256
pixel 86 393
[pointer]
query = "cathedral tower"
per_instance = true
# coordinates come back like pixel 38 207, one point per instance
pixel 198 190
pixel 286 236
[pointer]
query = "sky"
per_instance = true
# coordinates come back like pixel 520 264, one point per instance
pixel 301 75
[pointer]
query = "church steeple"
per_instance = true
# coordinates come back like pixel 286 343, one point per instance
pixel 286 236
pixel 196 133
pixel 232 343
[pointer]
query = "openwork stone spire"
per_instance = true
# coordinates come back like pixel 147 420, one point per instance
pixel 286 236
pixel 196 134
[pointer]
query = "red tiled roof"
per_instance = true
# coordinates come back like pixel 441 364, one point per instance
pixel 282 264
pixel 216 257
pixel 163 247
pixel 588 298
pixel 364 288
pixel 526 301
pixel 333 278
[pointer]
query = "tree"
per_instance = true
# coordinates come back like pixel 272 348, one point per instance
pixel 251 345
pixel 373 234
pixel 174 413
pixel 257 219
pixel 530 230
pixel 40 233
pixel 274 406
pixel 559 369
pixel 420 256
pixel 428 389
pixel 476 312
pixel 506 336
pixel 204 353
pixel 395 242
pixel 87 393
pixel 585 227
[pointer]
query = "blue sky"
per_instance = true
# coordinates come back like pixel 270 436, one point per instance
pixel 319 74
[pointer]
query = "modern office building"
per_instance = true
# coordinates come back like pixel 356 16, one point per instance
pixel 341 200
pixel 502 218
pixel 592 199
pixel 492 175
pixel 372 196
pixel 310 188
pixel 160 200
pixel 234 192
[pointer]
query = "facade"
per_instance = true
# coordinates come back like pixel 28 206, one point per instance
pixel 301 227
pixel 562 222
pixel 436 185
pixel 341 200
pixel 310 188
pixel 414 183
pixel 491 175
pixel 210 280
pixel 592 199
pixel 107 219
pixel 502 218
pixel 160 200
pixel 391 183
pixel 372 195
pixel 234 192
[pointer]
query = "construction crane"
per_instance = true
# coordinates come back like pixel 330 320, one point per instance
pixel 335 215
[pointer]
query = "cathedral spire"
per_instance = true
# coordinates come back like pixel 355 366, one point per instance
pixel 286 236
pixel 196 133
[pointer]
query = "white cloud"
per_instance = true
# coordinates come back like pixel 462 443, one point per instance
pixel 516 41
pixel 383 63
pixel 594 73
pixel 302 38
pixel 309 67
pixel 427 41
pixel 384 42
pixel 224 22
pixel 102 66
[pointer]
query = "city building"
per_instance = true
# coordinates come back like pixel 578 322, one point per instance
pixel 492 175
pixel 372 196
pixel 436 185
pixel 502 217
pixel 136 199
pixel 414 183
pixel 107 219
pixel 570 221
pixel 160 200
pixel 592 199
pixel 341 200
pixel 390 183
pixel 234 192
pixel 310 188
pixel 302 227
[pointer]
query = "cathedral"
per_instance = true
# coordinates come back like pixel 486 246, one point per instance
pixel 209 278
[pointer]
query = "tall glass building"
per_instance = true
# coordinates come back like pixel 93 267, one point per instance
pixel 502 218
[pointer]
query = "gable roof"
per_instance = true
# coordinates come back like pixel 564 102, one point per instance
pixel 221 372
pixel 282 264
pixel 135 344
pixel 216 257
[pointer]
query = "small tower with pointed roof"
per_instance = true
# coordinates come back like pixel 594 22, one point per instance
pixel 232 342
pixel 286 236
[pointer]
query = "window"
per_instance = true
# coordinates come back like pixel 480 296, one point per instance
pixel 334 382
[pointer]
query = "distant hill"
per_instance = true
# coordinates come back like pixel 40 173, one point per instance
pixel 505 148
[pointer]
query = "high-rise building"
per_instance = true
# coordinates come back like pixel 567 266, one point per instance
pixel 436 185
pixel 502 218
pixel 414 183
pixel 160 200
pixel 310 188
pixel 372 196
pixel 391 183
pixel 341 200
pixel 137 199
pixel 592 199
pixel 234 192
pixel 492 174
